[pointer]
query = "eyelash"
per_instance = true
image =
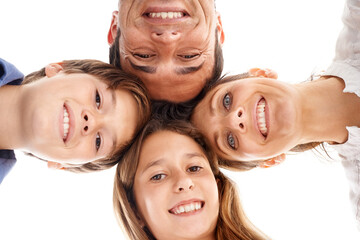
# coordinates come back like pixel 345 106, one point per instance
pixel 97 99
pixel 228 98
pixel 97 142
pixel 143 55
pixel 155 177
pixel 231 140
pixel 198 169
pixel 190 56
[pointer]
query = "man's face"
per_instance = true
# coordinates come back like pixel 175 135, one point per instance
pixel 168 44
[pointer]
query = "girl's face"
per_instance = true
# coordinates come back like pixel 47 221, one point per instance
pixel 175 189
pixel 75 118
pixel 250 119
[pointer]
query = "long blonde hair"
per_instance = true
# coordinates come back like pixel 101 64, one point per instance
pixel 232 222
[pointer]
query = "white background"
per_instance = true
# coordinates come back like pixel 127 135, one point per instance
pixel 304 198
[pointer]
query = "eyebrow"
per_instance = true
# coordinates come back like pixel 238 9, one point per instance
pixel 216 138
pixel 153 163
pixel 211 107
pixel 179 71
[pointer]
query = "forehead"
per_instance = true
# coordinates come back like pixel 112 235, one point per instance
pixel 168 146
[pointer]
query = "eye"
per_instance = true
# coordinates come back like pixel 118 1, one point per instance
pixel 97 99
pixel 194 169
pixel 139 55
pixel 97 141
pixel 157 177
pixel 231 140
pixel 227 101
pixel 189 56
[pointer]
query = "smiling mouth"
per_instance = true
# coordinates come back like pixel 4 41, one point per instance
pixel 261 117
pixel 165 15
pixel 187 208
pixel 66 123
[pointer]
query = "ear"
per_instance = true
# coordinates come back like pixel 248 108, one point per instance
pixel 113 28
pixel 273 161
pixel 53 69
pixel 55 165
pixel 259 72
pixel 221 34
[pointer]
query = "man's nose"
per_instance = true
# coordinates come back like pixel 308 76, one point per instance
pixel 165 36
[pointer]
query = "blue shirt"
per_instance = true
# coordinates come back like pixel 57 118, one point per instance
pixel 8 75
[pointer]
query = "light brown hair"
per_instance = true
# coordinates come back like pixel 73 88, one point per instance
pixel 115 79
pixel 232 222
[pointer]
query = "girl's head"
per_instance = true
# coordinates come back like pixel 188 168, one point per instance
pixel 168 186
pixel 250 120
pixel 81 114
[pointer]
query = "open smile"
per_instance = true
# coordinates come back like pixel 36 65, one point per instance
pixel 262 117
pixel 187 208
pixel 165 15
pixel 67 123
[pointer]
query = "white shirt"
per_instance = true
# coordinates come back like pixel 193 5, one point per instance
pixel 346 65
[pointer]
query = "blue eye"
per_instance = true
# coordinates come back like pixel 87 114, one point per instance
pixel 97 99
pixel 227 101
pixel 157 177
pixel 97 142
pixel 231 140
pixel 194 169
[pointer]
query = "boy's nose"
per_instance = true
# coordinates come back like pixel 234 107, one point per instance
pixel 88 122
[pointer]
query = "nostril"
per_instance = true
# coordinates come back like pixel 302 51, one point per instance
pixel 158 34
pixel 239 114
pixel 241 125
pixel 86 128
pixel 86 117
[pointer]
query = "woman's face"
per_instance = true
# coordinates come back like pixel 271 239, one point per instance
pixel 250 119
pixel 76 118
pixel 175 189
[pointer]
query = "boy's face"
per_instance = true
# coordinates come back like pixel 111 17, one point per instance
pixel 75 118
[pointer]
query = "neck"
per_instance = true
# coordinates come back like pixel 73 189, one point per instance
pixel 10 117
pixel 327 110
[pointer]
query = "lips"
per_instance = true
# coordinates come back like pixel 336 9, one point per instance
pixel 67 123
pixel 165 15
pixel 261 119
pixel 185 208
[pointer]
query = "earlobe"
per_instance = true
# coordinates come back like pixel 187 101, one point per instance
pixel 53 69
pixel 273 161
pixel 220 30
pixel 55 165
pixel 113 28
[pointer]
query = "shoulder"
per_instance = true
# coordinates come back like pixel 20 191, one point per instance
pixel 9 74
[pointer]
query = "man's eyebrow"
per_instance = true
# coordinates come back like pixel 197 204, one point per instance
pixel 146 69
pixel 187 70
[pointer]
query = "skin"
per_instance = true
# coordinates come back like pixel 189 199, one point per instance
pixel 172 169
pixel 169 45
pixel 296 114
pixel 98 124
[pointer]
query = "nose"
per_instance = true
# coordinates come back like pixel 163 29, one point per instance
pixel 236 120
pixel 183 183
pixel 88 122
pixel 165 36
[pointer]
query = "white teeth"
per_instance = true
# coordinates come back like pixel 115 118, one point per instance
pixel 261 120
pixel 187 208
pixel 66 123
pixel 164 15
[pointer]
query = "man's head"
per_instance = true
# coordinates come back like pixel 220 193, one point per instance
pixel 173 46
pixel 81 114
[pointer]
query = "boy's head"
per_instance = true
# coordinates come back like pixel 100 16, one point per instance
pixel 81 114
